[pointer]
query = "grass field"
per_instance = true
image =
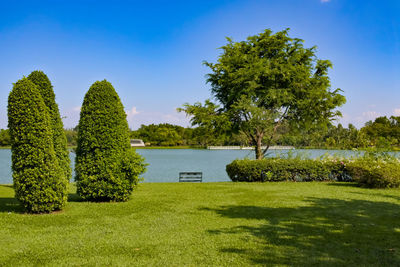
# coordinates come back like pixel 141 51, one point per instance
pixel 224 224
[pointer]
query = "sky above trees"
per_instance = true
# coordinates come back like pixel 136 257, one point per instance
pixel 152 51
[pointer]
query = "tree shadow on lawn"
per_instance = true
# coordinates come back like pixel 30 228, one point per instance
pixel 74 197
pixel 8 204
pixel 11 204
pixel 324 232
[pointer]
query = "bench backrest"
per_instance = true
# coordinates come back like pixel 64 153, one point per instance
pixel 190 176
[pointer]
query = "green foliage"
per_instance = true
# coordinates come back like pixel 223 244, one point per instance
pixel 375 170
pixel 383 132
pixel 5 137
pixel 162 134
pixel 210 121
pixel 59 139
pixel 286 169
pixel 107 168
pixel 72 136
pixel 267 81
pixel 38 180
pixel 331 137
pixel 165 134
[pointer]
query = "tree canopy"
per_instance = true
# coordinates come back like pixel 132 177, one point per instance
pixel 266 81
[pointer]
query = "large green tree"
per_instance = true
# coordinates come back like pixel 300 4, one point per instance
pixel 40 79
pixel 107 168
pixel 38 181
pixel 266 81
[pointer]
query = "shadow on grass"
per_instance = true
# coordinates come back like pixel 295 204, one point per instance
pixel 324 232
pixel 8 204
pixel 11 204
pixel 74 197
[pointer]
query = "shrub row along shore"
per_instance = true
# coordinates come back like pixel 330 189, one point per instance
pixel 373 170
pixel 107 168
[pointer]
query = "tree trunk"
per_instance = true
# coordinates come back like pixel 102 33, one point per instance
pixel 259 153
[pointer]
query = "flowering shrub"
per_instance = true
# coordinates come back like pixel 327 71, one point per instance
pixel 375 170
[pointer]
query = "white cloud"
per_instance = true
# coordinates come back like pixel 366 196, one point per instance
pixel 359 119
pixel 325 1
pixel 132 112
pixel 396 111
pixel 370 115
pixel 76 108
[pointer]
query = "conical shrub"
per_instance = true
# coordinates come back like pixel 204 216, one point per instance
pixel 107 168
pixel 40 79
pixel 38 181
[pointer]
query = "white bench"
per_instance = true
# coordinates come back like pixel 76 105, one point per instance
pixel 190 176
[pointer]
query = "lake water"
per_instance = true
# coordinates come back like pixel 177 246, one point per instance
pixel 165 164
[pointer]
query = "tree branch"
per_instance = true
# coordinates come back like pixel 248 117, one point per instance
pixel 274 130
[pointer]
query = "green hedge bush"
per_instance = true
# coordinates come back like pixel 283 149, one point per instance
pixel 59 139
pixel 107 168
pixel 375 171
pixel 286 169
pixel 38 181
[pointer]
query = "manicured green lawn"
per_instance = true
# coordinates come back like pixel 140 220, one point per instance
pixel 211 224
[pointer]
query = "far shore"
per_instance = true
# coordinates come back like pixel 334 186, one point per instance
pixel 393 149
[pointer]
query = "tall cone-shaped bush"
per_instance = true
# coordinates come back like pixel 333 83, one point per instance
pixel 107 168
pixel 45 87
pixel 38 181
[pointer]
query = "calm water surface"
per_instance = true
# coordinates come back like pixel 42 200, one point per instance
pixel 165 164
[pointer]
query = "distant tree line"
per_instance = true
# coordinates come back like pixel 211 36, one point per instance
pixel 383 132
pixel 165 134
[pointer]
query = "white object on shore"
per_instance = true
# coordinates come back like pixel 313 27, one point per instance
pixel 137 142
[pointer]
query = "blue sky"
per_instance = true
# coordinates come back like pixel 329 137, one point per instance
pixel 152 51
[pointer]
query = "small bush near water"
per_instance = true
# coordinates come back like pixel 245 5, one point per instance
pixel 374 170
